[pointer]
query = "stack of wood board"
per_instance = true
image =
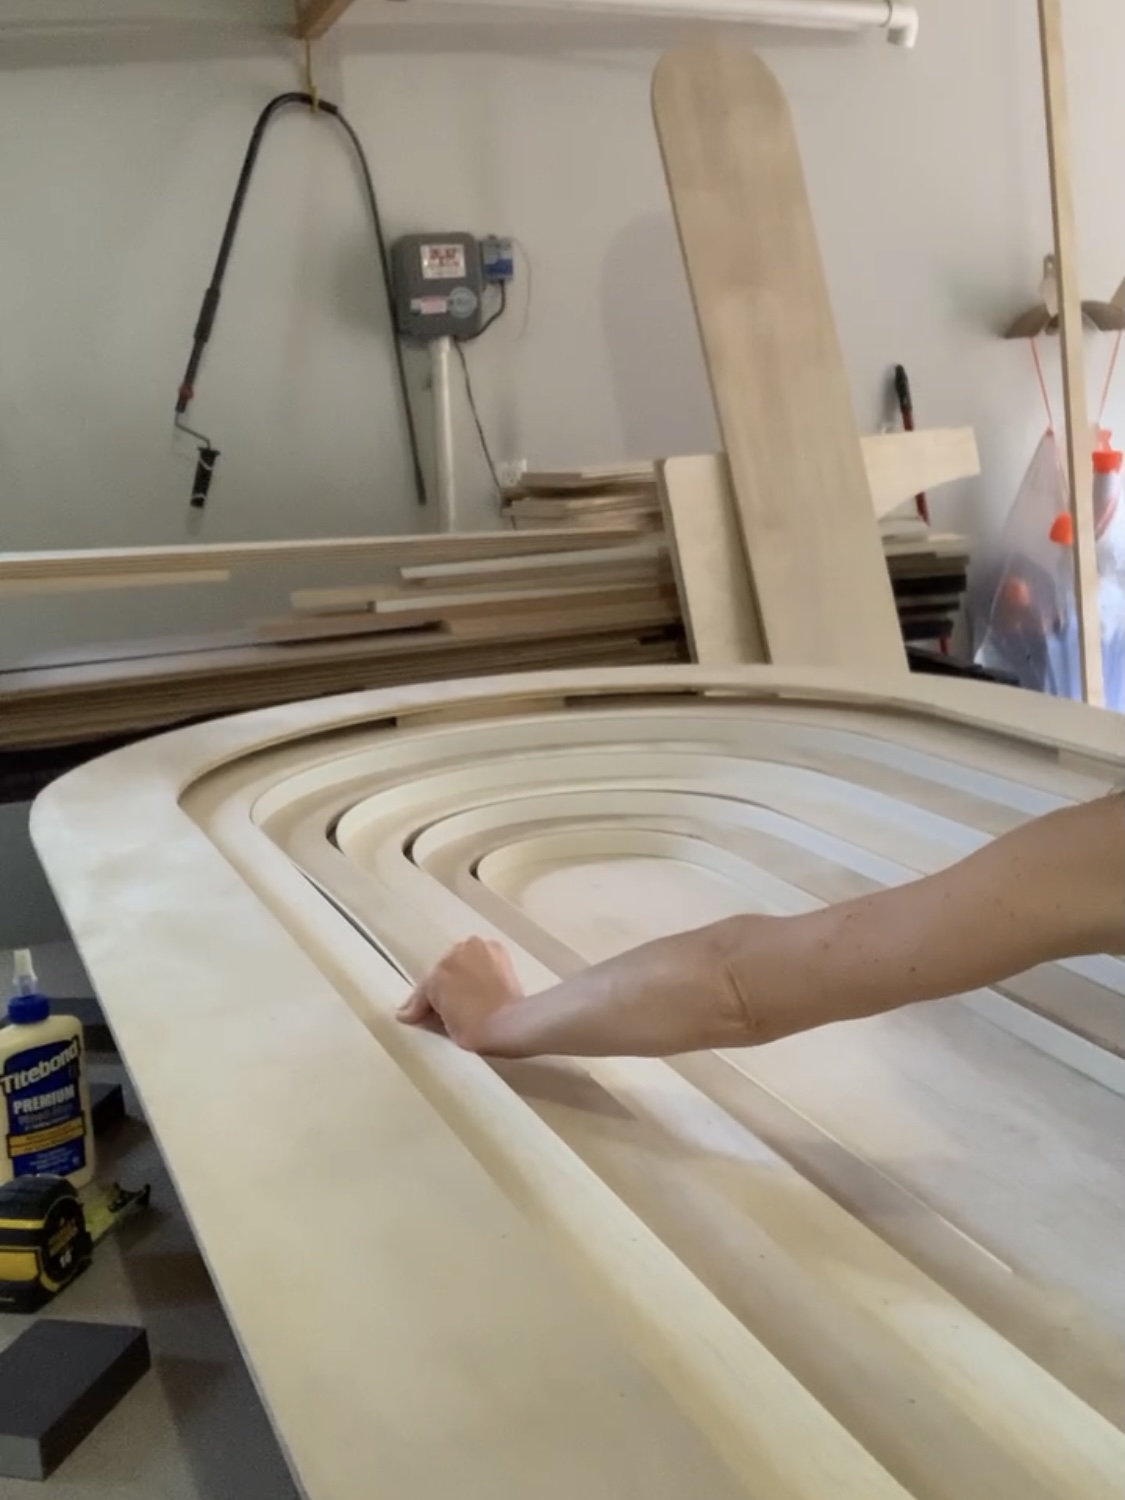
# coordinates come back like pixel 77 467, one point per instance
pixel 514 598
pixel 897 466
pixel 466 603
pixel 460 617
pixel 607 496
pixel 928 570
pixel 929 573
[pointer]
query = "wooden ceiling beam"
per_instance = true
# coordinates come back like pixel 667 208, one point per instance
pixel 315 17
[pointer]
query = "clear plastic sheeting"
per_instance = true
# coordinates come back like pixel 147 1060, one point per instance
pixel 1022 605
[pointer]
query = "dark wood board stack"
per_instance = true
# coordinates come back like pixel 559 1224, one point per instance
pixel 929 574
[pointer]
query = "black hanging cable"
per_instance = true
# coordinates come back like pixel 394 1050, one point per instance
pixel 208 453
pixel 501 308
pixel 477 423
pixel 388 290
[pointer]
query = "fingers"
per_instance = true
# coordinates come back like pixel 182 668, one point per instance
pixel 414 1010
pixel 468 977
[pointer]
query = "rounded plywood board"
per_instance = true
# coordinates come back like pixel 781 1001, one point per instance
pixel 818 1268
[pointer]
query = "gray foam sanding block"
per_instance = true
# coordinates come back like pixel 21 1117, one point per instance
pixel 57 1381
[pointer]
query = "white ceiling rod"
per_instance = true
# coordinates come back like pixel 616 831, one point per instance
pixel 898 22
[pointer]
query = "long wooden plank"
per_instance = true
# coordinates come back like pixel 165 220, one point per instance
pixel 605 576
pixel 409 602
pixel 659 610
pixel 498 601
pixel 338 624
pixel 593 558
pixel 1078 434
pixel 16 588
pixel 390 551
pixel 773 356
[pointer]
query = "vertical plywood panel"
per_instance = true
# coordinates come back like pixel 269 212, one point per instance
pixel 777 375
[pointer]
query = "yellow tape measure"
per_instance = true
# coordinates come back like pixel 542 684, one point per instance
pixel 48 1233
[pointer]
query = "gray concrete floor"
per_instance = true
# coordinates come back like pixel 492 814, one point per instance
pixel 193 1428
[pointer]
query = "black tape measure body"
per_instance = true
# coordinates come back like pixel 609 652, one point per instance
pixel 44 1241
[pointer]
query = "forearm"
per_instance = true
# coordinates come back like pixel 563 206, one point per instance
pixel 1052 888
pixel 671 995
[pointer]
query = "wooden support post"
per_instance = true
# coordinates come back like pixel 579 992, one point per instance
pixel 315 17
pixel 1078 459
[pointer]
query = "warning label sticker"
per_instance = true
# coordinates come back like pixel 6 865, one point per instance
pixel 443 262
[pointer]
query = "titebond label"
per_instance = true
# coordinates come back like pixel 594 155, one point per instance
pixel 46 1126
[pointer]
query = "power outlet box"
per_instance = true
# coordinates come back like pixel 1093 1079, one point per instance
pixel 438 284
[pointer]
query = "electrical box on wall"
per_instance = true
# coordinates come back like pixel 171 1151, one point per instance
pixel 439 282
pixel 496 259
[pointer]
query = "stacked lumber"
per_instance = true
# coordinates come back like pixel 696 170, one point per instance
pixel 613 495
pixel 585 579
pixel 620 587
pixel 463 616
pixel 928 570
pixel 929 573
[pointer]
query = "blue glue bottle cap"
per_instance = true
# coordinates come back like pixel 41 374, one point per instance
pixel 26 1010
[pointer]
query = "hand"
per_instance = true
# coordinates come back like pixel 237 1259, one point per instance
pixel 460 996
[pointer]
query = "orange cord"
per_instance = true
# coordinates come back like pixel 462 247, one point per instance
pixel 1042 383
pixel 1109 376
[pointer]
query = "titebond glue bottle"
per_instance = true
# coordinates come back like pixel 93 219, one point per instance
pixel 44 1097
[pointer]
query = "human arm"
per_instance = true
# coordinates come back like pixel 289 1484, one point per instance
pixel 1052 888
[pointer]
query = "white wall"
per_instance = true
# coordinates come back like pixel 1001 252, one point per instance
pixel 118 159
